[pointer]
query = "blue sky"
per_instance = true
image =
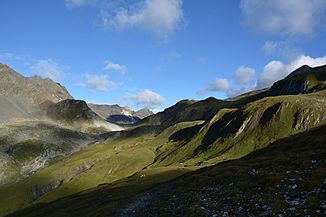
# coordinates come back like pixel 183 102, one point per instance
pixel 152 53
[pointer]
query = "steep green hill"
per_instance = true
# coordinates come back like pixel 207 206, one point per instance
pixel 235 132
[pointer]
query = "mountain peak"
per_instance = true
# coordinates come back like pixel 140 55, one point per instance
pixel 301 70
pixel 34 89
pixel 302 80
pixel 70 110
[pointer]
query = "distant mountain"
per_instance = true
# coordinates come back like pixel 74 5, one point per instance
pixel 143 113
pixel 123 119
pixel 118 114
pixel 34 89
pixel 70 110
pixel 40 123
pixel 26 97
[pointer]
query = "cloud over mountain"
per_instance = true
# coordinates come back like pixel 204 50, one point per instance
pixel 47 68
pixel 276 70
pixel 244 74
pixel 97 83
pixel 147 98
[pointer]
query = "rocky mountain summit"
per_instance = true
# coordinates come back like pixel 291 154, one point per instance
pixel 36 89
pixel 118 114
pixel 72 110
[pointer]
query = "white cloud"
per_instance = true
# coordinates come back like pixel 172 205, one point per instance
pixel 276 70
pixel 79 3
pixel 290 17
pixel 157 110
pixel 147 98
pixel 236 92
pixel 111 66
pixel 269 47
pixel 220 84
pixel 47 68
pixel 273 71
pixel 244 74
pixel 158 17
pixel 98 83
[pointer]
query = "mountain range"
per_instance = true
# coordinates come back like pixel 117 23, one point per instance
pixel 258 154
pixel 41 123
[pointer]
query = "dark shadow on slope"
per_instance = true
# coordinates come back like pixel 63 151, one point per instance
pixel 186 133
pixel 269 113
pixel 123 119
pixel 103 200
pixel 227 125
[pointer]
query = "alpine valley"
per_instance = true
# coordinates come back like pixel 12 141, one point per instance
pixel 262 153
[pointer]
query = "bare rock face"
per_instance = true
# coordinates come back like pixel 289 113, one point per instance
pixel 143 113
pixel 33 89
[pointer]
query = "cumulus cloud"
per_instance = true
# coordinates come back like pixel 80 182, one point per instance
pixel 98 83
pixel 276 70
pixel 244 74
pixel 220 84
pixel 111 66
pixel 147 98
pixel 47 68
pixel 158 17
pixel 290 17
pixel 273 71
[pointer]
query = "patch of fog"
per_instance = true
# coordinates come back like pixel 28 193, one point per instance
pixel 107 125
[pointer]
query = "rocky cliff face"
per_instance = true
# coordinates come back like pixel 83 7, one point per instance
pixel 35 89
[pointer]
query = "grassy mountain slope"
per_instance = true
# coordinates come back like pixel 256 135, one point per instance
pixel 185 137
pixel 233 133
pixel 192 144
pixel 287 177
pixel 97 164
pixel 26 147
